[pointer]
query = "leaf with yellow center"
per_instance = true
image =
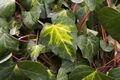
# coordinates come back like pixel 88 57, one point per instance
pixel 59 36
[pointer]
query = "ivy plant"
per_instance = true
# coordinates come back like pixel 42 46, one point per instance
pixel 59 40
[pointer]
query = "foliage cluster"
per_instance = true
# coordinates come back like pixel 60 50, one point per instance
pixel 59 40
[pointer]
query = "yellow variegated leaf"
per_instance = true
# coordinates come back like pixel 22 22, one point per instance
pixel 59 34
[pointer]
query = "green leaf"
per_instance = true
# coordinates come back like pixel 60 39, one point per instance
pixel 115 73
pixel 35 50
pixel 33 70
pixel 17 75
pixel 7 8
pixel 106 47
pixel 110 20
pixel 62 75
pixel 92 4
pixel 7 44
pixel 27 4
pixel 83 72
pixel 88 44
pixel 6 70
pixel 14 27
pixel 3 26
pixel 30 18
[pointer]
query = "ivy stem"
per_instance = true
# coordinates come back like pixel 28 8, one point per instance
pixel 74 7
pixel 44 59
pixel 37 39
pixel 108 3
pixel 105 65
pixel 29 35
pixel 80 24
pixel 104 34
pixel 115 53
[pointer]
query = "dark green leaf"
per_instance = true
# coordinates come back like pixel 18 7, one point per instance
pixel 83 72
pixel 6 69
pixel 110 20
pixel 62 75
pixel 33 70
pixel 93 3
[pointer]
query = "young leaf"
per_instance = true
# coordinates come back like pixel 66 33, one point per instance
pixel 35 50
pixel 7 8
pixel 88 44
pixel 33 70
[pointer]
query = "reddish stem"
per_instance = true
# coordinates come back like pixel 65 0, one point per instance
pixel 29 35
pixel 80 24
pixel 108 3
pixel 104 34
pixel 74 7
pixel 115 53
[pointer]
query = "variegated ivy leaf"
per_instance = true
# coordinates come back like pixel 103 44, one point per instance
pixel 88 45
pixel 58 37
pixel 35 50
